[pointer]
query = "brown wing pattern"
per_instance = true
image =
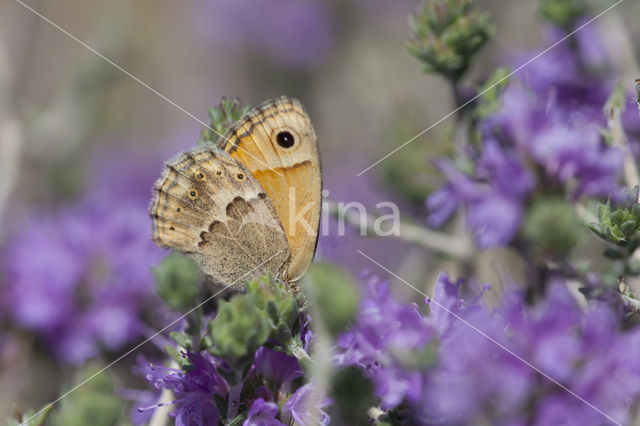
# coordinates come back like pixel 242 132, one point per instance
pixel 209 206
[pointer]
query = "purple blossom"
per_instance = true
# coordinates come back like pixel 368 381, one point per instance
pixel 194 390
pixel 386 326
pixel 545 136
pixel 566 145
pixel 277 368
pixel 474 377
pixel 522 139
pixel 80 277
pixel 297 407
pixel 494 209
pixel 263 413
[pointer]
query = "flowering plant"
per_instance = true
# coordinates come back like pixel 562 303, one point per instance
pixel 539 183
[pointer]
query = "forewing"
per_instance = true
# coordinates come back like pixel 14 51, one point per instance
pixel 290 175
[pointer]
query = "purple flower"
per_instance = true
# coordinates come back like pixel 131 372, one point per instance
pixel 494 209
pixel 298 408
pixel 385 327
pixel 480 372
pixel 81 277
pixel 277 368
pixel 195 390
pixel 263 413
pixel 544 136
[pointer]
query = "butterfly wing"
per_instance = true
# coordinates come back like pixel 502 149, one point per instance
pixel 278 145
pixel 209 206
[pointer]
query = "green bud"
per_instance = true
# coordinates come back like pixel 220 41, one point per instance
pixel 275 299
pixel 178 281
pixel 239 328
pixel 283 333
pixel 446 36
pixel 563 13
pixel 222 117
pixel 552 227
pixel 335 295
pixel 619 222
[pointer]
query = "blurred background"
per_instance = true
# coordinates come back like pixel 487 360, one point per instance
pixel 81 142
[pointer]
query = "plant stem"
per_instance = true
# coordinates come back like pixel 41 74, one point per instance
pixel 459 247
pixel 234 400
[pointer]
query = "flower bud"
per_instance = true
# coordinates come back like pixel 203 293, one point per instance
pixel 446 36
pixel 619 220
pixel 551 227
pixel 238 329
pixel 222 117
pixel 178 281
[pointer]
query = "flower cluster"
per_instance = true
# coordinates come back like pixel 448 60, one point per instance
pixel 518 364
pixel 81 277
pixel 544 136
pixel 243 369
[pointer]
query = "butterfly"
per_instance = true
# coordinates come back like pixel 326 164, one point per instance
pixel 251 202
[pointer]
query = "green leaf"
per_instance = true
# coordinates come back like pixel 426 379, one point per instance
pixel 182 339
pixel 551 227
pixel 628 227
pixel 602 211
